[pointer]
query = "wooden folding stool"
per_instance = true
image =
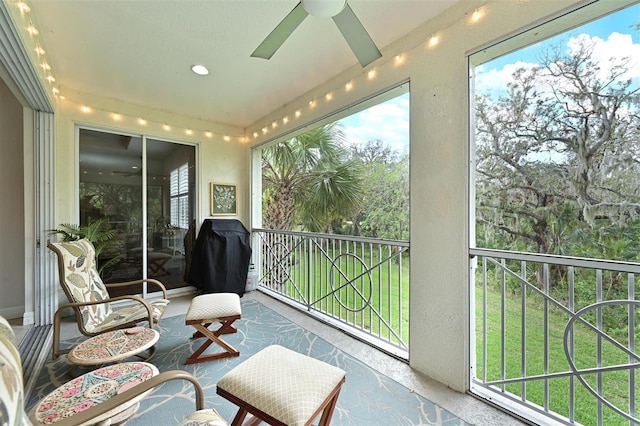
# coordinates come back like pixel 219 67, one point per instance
pixel 208 309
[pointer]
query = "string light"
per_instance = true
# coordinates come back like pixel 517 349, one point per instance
pixel 476 15
pixel 116 116
pixel 32 30
pixel 400 58
pixel 23 7
pixel 433 41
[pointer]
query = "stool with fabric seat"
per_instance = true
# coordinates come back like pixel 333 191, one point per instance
pixel 210 309
pixel 282 387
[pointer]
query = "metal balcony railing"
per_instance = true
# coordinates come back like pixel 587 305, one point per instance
pixel 360 285
pixel 556 337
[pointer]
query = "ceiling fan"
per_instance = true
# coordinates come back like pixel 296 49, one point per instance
pixel 346 20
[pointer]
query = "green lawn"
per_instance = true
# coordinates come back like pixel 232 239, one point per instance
pixel 313 276
pixel 615 384
pixel 371 300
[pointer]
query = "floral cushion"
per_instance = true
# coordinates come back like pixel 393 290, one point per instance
pixel 11 390
pixel 204 418
pixel 83 283
pixel 91 389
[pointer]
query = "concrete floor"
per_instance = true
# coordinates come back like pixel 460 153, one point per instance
pixel 464 406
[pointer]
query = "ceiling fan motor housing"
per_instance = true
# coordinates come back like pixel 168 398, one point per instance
pixel 323 8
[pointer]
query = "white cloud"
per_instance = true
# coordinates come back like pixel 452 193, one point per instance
pixel 605 52
pixel 611 51
pixel 388 122
pixel 496 79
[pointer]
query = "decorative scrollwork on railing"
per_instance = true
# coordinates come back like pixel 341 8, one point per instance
pixel 356 283
pixel 579 373
pixel 337 289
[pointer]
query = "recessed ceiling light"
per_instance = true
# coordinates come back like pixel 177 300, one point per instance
pixel 199 69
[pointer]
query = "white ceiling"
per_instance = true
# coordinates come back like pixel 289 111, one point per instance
pixel 140 51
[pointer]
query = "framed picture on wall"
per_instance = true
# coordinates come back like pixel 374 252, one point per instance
pixel 224 199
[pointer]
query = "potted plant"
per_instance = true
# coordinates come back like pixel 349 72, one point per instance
pixel 101 236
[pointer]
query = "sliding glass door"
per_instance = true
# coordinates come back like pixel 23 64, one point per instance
pixel 144 190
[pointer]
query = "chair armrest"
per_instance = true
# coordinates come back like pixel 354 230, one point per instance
pixel 110 300
pixel 56 319
pixel 147 280
pixel 91 413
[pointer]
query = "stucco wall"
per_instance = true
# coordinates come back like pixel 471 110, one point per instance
pixel 218 160
pixel 438 75
pixel 12 225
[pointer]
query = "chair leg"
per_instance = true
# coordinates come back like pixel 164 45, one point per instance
pixel 151 352
pixel 55 350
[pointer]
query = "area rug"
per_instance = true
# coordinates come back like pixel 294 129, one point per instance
pixel 367 397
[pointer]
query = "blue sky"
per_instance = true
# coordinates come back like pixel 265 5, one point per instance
pixel 389 121
pixel 622 22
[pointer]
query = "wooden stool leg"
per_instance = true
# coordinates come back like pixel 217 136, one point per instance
pixel 328 412
pixel 239 418
pixel 330 406
pixel 202 330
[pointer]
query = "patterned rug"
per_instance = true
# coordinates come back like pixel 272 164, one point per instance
pixel 367 397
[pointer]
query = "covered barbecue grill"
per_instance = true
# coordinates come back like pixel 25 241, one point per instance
pixel 221 256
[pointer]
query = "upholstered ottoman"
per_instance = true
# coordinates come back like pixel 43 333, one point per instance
pixel 208 309
pixel 282 387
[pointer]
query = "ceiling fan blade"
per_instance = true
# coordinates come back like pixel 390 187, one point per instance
pixel 277 37
pixel 352 30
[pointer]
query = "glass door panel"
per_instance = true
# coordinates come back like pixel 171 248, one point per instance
pixel 111 191
pixel 170 212
pixel 112 177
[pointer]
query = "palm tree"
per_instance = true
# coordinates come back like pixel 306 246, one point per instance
pixel 308 181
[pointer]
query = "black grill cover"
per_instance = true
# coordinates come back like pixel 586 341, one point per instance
pixel 221 257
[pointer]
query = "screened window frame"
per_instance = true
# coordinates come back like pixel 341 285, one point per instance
pixel 179 196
